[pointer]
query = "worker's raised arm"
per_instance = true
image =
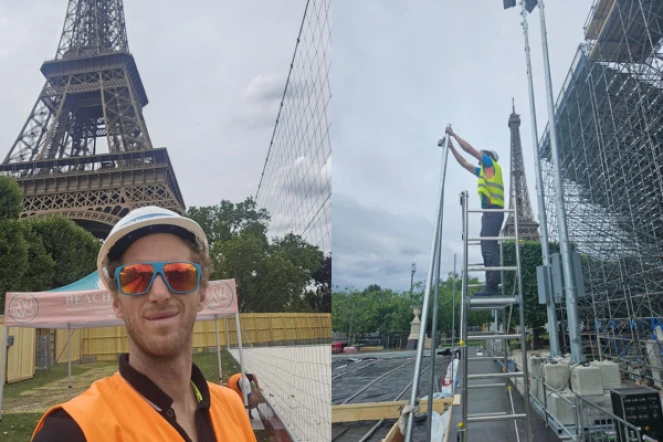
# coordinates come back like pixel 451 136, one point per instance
pixel 462 161
pixel 467 147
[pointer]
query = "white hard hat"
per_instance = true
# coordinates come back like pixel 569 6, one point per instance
pixel 144 221
pixel 492 154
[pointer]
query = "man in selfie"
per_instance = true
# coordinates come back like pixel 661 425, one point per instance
pixel 490 187
pixel 156 265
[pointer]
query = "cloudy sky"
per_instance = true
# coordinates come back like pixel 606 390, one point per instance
pixel 214 72
pixel 401 73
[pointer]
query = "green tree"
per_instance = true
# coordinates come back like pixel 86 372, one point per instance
pixel 370 310
pixel 10 198
pixel 377 309
pixel 73 249
pixel 39 254
pixel 222 221
pixel 13 258
pixel 277 276
pixel 320 297
pixel 530 259
pixel 40 272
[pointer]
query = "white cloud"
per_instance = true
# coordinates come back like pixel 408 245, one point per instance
pixel 401 73
pixel 196 63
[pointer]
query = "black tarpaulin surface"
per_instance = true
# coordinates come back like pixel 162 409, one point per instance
pixel 356 375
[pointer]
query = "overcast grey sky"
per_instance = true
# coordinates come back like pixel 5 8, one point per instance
pixel 214 72
pixel 401 73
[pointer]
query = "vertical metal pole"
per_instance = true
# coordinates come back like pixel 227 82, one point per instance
pixel 543 219
pixel 463 323
pixel 431 390
pixel 227 332
pixel 69 354
pixel 429 281
pixel 238 325
pixel 218 348
pixel 3 363
pixel 352 318
pixel 523 326
pixel 453 326
pixel 565 251
pixel 453 310
pixel 414 270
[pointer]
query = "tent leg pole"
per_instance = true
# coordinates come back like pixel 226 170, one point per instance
pixel 227 334
pixel 218 348
pixel 69 351
pixel 3 363
pixel 241 355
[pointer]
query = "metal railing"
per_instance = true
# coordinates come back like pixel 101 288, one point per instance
pixel 591 422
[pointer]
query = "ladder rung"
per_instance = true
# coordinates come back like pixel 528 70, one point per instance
pixel 488 358
pixel 487 308
pixel 495 302
pixel 490 385
pixel 490 210
pixel 481 338
pixel 492 269
pixel 491 417
pixel 493 238
pixel 507 375
pixel 471 286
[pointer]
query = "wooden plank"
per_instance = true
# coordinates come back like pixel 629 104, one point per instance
pixel 374 411
pixel 376 348
pixel 394 434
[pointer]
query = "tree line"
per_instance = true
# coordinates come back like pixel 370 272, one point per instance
pixel 272 274
pixel 382 310
pixel 377 309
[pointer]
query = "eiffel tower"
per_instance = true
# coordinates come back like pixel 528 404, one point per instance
pixel 85 152
pixel 528 229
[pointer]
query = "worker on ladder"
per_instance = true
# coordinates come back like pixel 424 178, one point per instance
pixel 491 192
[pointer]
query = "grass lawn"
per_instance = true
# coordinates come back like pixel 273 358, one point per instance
pixel 26 401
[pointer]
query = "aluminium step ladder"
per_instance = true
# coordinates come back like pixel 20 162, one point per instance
pixel 497 304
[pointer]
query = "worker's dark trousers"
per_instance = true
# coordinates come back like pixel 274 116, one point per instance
pixel 491 223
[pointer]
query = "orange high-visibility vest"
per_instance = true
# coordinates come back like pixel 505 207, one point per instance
pixel 112 411
pixel 233 384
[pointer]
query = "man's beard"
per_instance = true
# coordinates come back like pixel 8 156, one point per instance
pixel 165 347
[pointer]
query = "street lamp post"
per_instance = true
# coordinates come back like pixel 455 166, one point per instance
pixel 414 270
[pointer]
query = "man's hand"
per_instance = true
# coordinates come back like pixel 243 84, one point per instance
pixel 450 131
pixel 462 161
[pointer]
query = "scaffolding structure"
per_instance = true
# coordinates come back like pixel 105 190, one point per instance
pixel 609 117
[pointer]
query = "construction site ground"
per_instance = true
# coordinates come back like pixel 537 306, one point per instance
pixel 494 400
pixel 351 373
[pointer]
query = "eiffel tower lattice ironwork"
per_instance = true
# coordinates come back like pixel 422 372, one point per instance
pixel 528 228
pixel 85 152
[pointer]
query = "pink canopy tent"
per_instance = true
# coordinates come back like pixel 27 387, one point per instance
pixel 87 303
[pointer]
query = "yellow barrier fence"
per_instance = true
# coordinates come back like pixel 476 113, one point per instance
pixel 257 329
pixel 21 354
pixel 103 344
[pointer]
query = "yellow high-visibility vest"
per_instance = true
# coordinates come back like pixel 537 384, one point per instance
pixel 492 188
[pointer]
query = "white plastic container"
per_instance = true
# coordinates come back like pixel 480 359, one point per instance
pixel 610 376
pixel 556 375
pixel 561 409
pixel 586 381
pixel 535 365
